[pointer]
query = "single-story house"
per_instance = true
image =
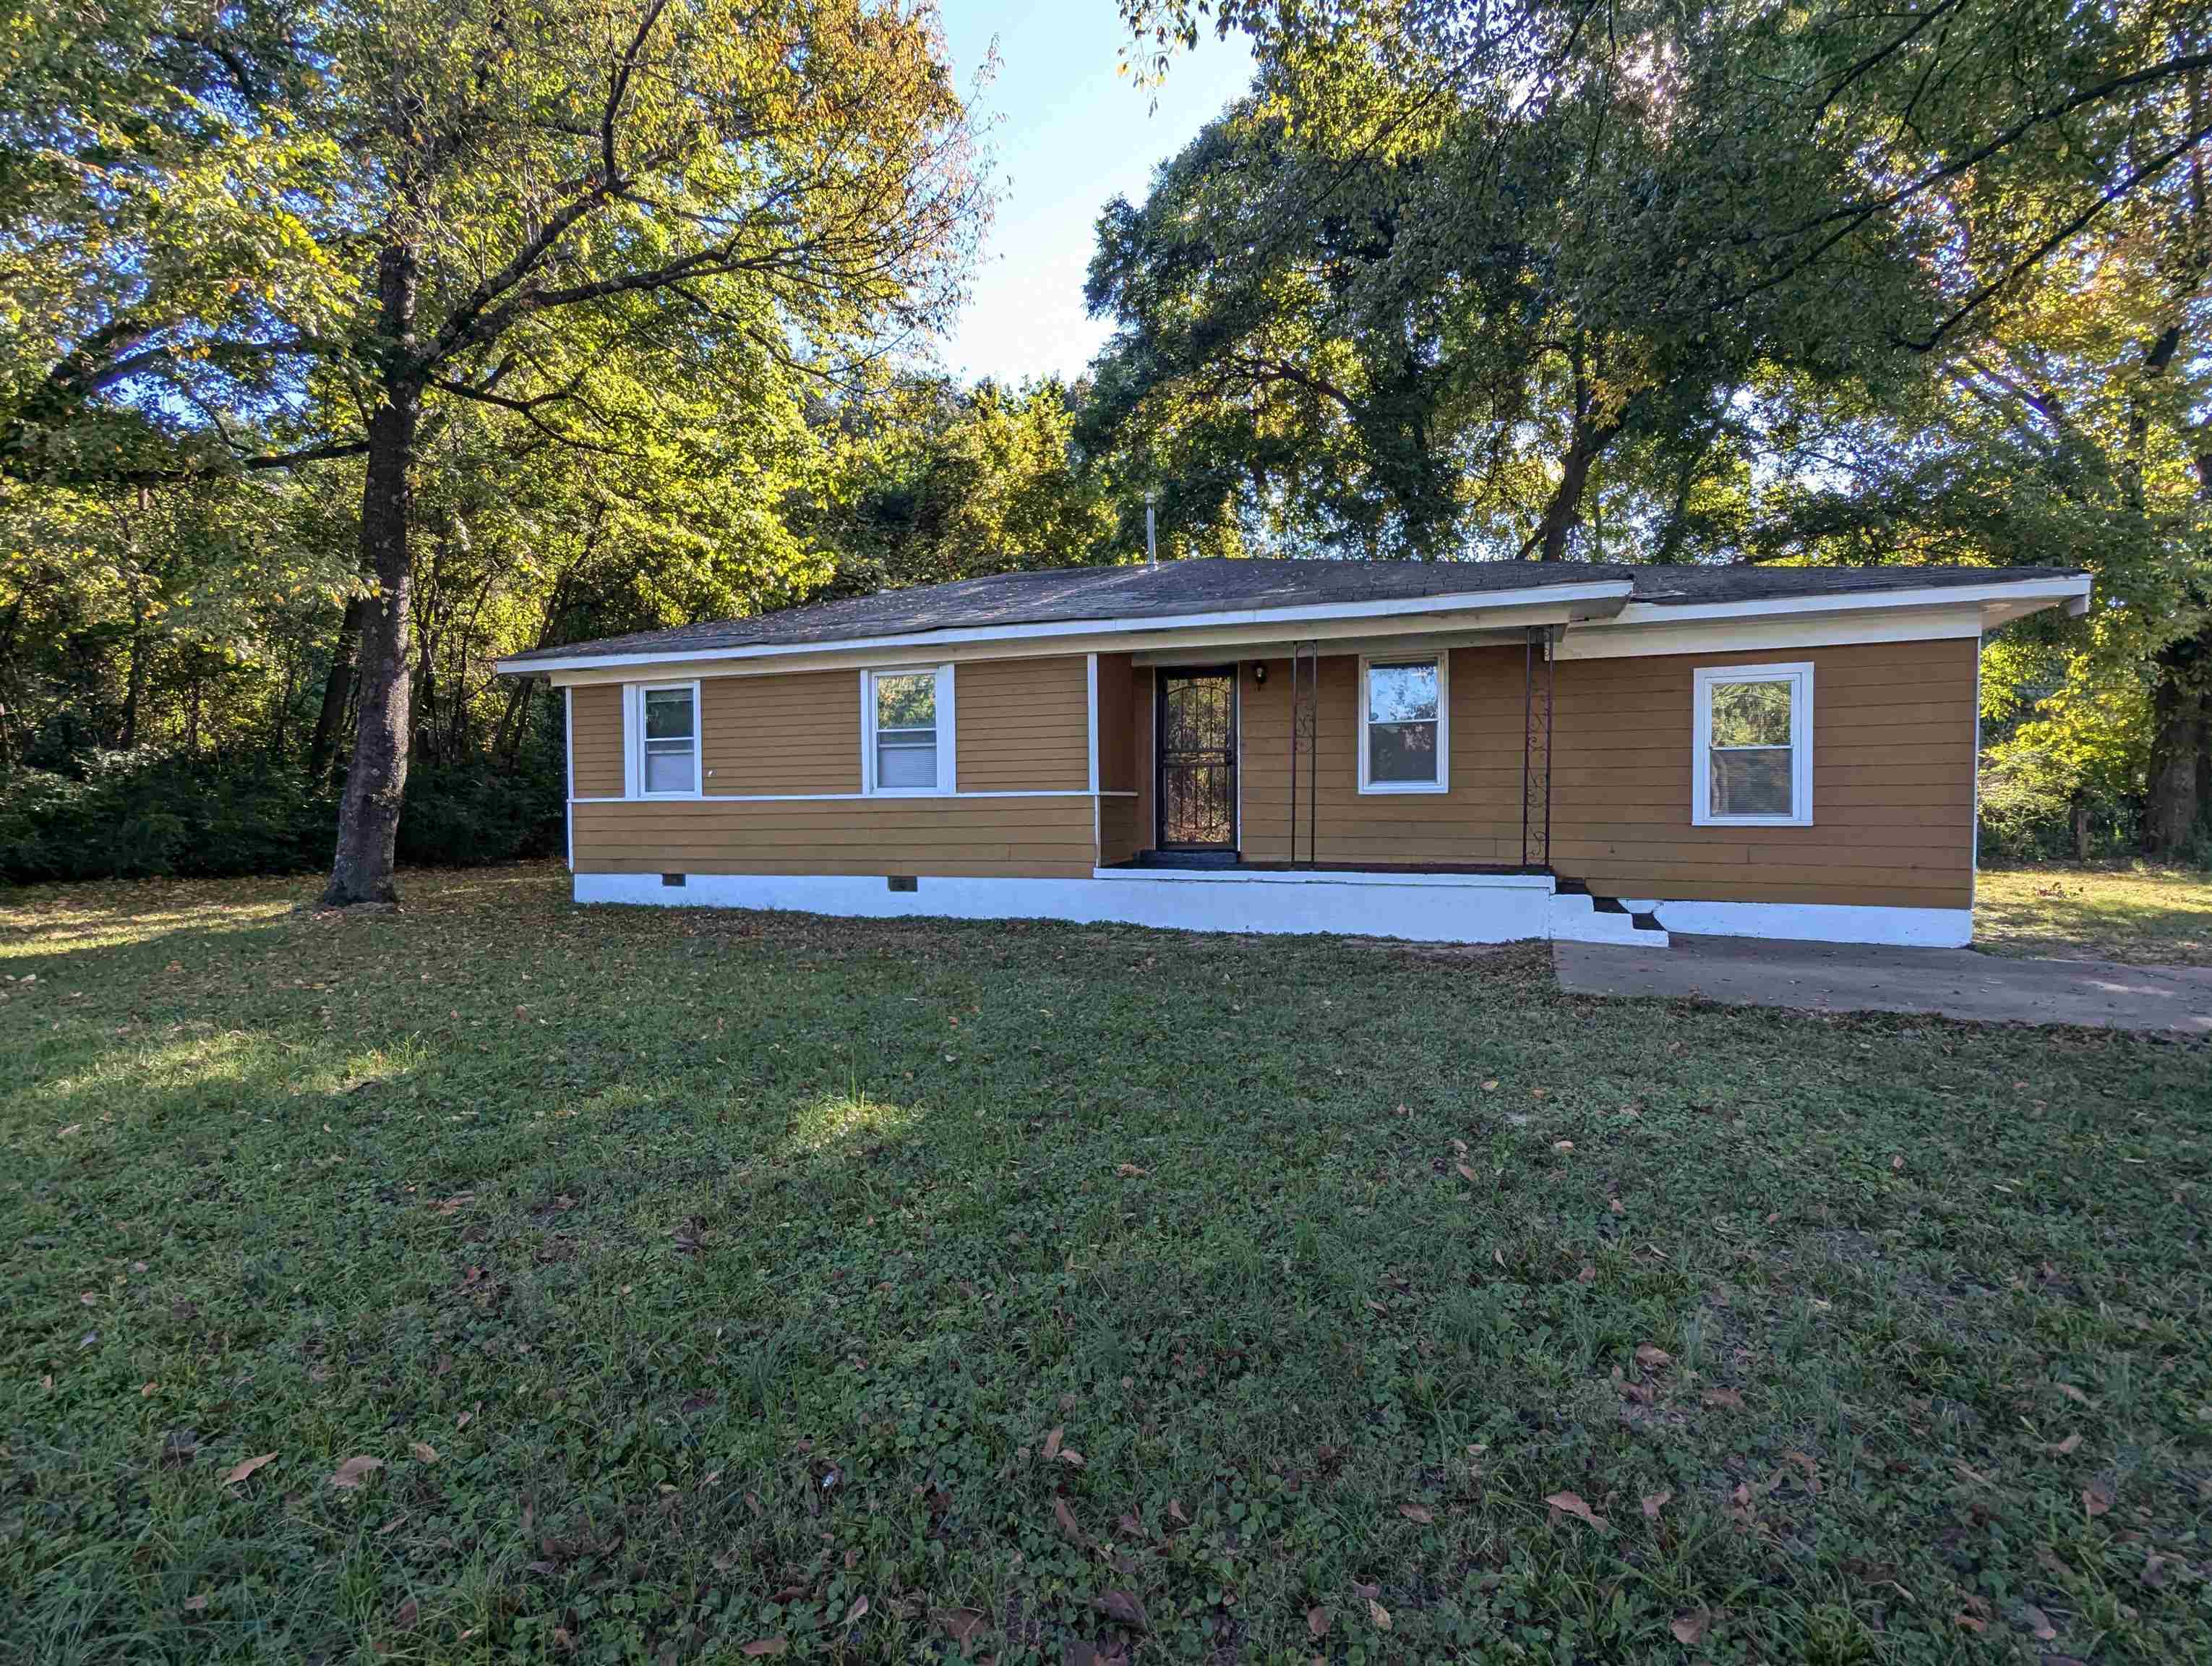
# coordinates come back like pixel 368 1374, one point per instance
pixel 1468 751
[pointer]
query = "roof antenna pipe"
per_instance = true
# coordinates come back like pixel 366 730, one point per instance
pixel 1151 538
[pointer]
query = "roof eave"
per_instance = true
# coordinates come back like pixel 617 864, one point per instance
pixel 1558 603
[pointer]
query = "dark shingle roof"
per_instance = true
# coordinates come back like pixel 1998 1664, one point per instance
pixel 1072 594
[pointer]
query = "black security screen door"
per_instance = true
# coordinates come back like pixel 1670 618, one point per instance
pixel 1198 760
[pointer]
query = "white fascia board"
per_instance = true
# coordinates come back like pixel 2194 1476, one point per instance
pixel 2063 588
pixel 1598 596
pixel 1611 641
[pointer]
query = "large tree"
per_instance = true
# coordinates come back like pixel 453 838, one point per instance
pixel 326 223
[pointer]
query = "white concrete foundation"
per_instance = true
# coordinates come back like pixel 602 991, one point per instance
pixel 1425 907
pixel 1817 922
pixel 1422 908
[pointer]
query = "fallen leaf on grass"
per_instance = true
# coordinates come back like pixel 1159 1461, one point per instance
pixel 1066 1518
pixel 2096 1499
pixel 959 1624
pixel 1130 1171
pixel 1726 1397
pixel 1414 1512
pixel 2074 1393
pixel 1052 1444
pixel 1690 1628
pixel 1071 1457
pixel 1563 1145
pixel 1465 1172
pixel 2061 1448
pixel 1317 1622
pixel 197 1604
pixel 424 1452
pixel 1123 1608
pixel 761 1646
pixel 1174 1512
pixel 1571 1503
pixel 1379 1615
pixel 859 1607
pixel 405 1620
pixel 1652 1356
pixel 354 1471
pixel 2039 1623
pixel 1654 1503
pixel 238 1472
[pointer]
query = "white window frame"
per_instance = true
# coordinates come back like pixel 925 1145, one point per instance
pixel 1441 659
pixel 1799 675
pixel 947 752
pixel 634 730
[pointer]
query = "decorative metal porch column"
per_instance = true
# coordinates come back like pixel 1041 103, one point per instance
pixel 1305 731
pixel 1537 748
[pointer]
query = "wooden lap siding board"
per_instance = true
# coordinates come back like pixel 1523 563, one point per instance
pixel 799 732
pixel 1024 725
pixel 1893 781
pixel 1025 837
pixel 1021 727
pixel 1477 821
pixel 1121 832
pixel 595 738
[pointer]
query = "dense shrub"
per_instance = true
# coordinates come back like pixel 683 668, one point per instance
pixel 133 815
pixel 2035 808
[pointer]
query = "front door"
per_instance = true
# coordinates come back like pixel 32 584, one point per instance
pixel 1197 754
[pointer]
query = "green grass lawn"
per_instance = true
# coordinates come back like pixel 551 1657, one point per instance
pixel 881 1291
pixel 2144 915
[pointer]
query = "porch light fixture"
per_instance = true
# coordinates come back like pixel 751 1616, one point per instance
pixel 1259 672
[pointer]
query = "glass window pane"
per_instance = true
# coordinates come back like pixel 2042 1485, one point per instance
pixel 1399 694
pixel 907 701
pixel 669 771
pixel 1401 751
pixel 905 765
pixel 1751 714
pixel 1753 780
pixel 668 715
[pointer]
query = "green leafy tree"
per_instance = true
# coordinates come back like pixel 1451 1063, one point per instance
pixel 330 223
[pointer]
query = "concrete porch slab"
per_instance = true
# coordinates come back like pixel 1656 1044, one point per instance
pixel 1841 977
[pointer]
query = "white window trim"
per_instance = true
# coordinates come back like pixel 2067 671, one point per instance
pixel 948 783
pixel 1442 658
pixel 1799 673
pixel 633 738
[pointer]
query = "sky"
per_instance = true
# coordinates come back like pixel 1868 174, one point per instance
pixel 1070 135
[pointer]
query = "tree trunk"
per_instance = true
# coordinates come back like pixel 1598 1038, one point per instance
pixel 134 689
pixel 2178 719
pixel 337 688
pixel 376 780
pixel 1566 508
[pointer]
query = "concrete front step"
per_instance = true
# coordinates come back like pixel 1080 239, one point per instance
pixel 1577 918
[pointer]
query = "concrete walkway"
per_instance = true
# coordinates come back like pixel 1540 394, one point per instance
pixel 1840 977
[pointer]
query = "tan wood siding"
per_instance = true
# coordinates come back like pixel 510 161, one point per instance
pixel 1478 820
pixel 1893 781
pixel 1117 724
pixel 1022 725
pixel 950 837
pixel 797 733
pixel 1121 834
pixel 1143 732
pixel 595 741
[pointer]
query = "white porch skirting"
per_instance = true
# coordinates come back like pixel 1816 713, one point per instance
pixel 1427 908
